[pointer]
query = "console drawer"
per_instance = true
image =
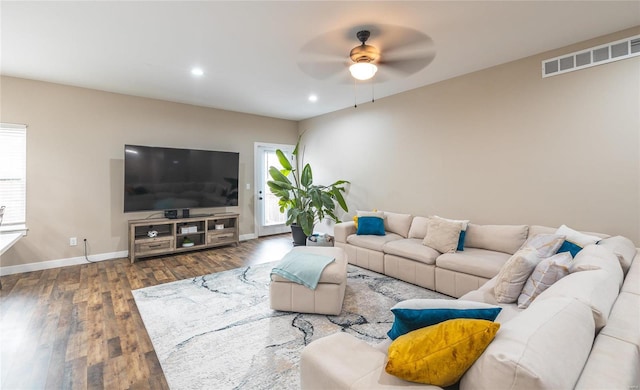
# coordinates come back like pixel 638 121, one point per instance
pixel 221 238
pixel 153 246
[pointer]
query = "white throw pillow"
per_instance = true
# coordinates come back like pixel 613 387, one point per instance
pixel 443 235
pixel 546 273
pixel 575 241
pixel 546 244
pixel 464 222
pixel 514 274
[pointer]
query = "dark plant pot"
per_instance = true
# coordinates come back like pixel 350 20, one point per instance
pixel 299 238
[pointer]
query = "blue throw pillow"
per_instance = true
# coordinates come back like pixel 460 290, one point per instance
pixel 461 240
pixel 370 226
pixel 568 246
pixel 419 313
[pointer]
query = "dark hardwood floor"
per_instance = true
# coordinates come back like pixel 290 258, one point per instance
pixel 78 327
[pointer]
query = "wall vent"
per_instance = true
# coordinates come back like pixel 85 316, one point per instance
pixel 598 55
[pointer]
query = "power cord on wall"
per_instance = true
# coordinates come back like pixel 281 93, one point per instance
pixel 85 252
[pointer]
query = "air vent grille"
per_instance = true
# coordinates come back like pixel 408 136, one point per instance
pixel 603 54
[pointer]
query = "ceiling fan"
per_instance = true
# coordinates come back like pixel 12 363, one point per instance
pixel 363 58
pixel 385 51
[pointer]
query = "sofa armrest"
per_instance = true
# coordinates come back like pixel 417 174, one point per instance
pixel 343 230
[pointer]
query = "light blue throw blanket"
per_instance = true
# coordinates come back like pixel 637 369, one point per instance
pixel 302 268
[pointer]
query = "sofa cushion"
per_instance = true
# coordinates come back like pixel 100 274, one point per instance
pixel 412 248
pixel 598 257
pixel 612 364
pixel 575 240
pixel 414 314
pixel 545 347
pixel 440 354
pixel 632 281
pixel 500 238
pixel 375 243
pixel 539 229
pixel 624 321
pixel 324 365
pixel 419 227
pixel 473 261
pixel 621 247
pixel 594 288
pixel 397 223
pixel 443 235
pixel 546 273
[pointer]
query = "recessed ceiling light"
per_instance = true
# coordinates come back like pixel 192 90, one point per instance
pixel 197 71
pixel 313 98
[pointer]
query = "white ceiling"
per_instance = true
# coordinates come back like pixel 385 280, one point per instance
pixel 251 51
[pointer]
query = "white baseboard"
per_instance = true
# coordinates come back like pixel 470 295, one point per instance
pixel 245 237
pixel 17 269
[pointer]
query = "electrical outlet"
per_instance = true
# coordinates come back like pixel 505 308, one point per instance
pixel 73 241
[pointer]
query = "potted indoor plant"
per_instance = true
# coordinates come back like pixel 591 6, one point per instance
pixel 304 202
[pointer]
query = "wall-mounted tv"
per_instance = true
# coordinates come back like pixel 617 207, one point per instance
pixel 157 178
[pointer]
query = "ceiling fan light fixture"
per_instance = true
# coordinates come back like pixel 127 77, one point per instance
pixel 363 70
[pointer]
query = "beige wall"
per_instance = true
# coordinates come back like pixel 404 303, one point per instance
pixel 500 145
pixel 75 142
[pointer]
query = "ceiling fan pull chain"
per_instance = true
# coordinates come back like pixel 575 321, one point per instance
pixel 355 101
pixel 373 96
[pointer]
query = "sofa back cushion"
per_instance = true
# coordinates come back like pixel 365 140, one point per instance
pixel 544 347
pixel 598 257
pixel 397 223
pixel 594 286
pixel 499 238
pixel 418 227
pixel 623 248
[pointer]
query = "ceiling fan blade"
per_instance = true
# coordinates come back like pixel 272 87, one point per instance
pixel 390 38
pixel 322 70
pixel 407 66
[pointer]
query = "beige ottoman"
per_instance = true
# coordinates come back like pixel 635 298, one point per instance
pixel 327 298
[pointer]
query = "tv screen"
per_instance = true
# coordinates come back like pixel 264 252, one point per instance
pixel 157 178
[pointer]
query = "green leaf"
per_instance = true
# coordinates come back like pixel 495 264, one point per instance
pixel 279 185
pixel 284 161
pixel 340 182
pixel 276 175
pixel 336 193
pixel 307 177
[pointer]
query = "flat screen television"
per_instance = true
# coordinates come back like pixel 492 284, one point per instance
pixel 157 178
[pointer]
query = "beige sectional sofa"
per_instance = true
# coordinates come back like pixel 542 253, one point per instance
pixel 583 332
pixel 401 254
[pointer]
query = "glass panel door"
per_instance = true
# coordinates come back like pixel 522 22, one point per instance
pixel 269 219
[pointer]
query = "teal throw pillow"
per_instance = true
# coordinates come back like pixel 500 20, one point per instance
pixel 414 314
pixel 568 246
pixel 460 248
pixel 370 226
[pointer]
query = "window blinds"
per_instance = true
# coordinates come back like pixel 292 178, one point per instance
pixel 13 172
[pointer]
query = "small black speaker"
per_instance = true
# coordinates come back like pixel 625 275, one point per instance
pixel 171 214
pixel 185 213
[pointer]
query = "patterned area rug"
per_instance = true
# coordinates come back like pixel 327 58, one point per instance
pixel 218 332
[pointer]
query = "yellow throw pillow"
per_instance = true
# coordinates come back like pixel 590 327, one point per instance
pixel 440 354
pixel 355 221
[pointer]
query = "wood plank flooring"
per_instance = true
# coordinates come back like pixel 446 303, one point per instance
pixel 78 327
